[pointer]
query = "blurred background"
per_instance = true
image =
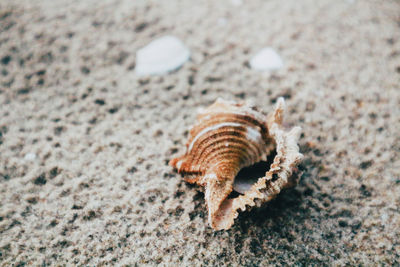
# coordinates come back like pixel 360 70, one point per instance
pixel 91 111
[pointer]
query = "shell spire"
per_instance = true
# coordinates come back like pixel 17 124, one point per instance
pixel 227 137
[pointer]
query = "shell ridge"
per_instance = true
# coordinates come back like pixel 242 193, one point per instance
pixel 212 128
pixel 255 149
pixel 215 135
pixel 207 151
pixel 218 126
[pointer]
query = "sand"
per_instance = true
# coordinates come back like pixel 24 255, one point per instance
pixel 84 142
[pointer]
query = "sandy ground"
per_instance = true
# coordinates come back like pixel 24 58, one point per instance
pixel 84 142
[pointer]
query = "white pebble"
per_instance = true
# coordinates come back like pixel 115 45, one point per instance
pixel 30 156
pixel 266 59
pixel 161 56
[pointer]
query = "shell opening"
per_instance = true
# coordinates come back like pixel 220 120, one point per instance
pixel 249 175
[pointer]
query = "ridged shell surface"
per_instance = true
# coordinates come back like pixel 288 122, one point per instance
pixel 227 137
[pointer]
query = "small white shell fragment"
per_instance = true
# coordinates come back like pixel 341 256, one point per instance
pixel 30 156
pixel 161 56
pixel 266 59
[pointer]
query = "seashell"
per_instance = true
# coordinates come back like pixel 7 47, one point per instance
pixel 227 137
pixel 161 56
pixel 267 59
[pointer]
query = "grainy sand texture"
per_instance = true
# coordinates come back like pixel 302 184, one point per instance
pixel 85 142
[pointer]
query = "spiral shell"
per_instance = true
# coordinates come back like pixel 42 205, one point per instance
pixel 227 137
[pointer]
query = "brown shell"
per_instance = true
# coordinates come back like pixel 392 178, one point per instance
pixel 228 137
